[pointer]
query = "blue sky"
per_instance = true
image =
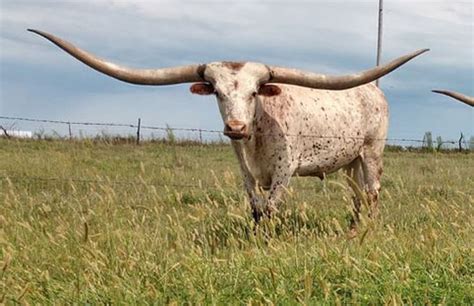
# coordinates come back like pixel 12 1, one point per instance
pixel 39 80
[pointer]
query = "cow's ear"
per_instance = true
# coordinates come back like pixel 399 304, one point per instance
pixel 269 90
pixel 202 89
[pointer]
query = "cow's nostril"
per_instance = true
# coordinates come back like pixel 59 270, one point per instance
pixel 235 126
pixel 235 129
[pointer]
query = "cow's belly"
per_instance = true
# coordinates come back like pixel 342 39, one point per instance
pixel 319 162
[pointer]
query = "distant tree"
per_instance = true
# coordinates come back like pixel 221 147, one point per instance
pixel 428 140
pixel 170 137
pixel 439 142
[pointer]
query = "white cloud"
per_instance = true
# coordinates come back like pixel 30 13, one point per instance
pixel 323 36
pixel 152 29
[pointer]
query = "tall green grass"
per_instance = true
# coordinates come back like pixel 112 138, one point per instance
pixel 93 222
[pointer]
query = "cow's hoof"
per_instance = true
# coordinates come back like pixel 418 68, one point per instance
pixel 257 215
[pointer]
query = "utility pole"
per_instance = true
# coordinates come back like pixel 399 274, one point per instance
pixel 379 37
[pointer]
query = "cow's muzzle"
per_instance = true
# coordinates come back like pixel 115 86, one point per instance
pixel 236 130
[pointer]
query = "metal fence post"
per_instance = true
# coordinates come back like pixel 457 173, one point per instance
pixel 138 131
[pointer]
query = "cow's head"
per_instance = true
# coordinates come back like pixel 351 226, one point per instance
pixel 237 86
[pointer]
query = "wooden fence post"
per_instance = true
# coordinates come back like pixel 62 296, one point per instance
pixel 460 142
pixel 70 130
pixel 138 131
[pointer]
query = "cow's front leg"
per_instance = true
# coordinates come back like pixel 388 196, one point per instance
pixel 279 184
pixel 257 203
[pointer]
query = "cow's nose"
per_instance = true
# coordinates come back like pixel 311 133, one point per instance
pixel 235 129
pixel 235 126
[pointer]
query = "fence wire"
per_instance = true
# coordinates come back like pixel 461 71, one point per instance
pixel 86 181
pixel 220 132
pixel 61 183
pixel 63 180
pixel 124 183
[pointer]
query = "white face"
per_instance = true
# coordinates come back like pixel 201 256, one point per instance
pixel 237 87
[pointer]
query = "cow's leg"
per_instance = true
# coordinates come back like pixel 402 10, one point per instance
pixel 373 167
pixel 256 201
pixel 355 178
pixel 280 181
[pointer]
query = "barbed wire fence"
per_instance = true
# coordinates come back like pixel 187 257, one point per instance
pixel 136 128
pixel 168 131
pixel 73 184
pixel 69 183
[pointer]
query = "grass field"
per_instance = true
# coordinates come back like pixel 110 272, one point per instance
pixel 165 224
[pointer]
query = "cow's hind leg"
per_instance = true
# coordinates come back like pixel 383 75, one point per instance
pixel 355 178
pixel 373 167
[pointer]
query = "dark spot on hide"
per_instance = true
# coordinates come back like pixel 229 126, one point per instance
pixel 233 65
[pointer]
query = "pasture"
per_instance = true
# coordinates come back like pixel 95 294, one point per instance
pixel 97 222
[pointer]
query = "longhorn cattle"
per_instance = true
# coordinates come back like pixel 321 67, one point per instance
pixel 284 122
pixel 456 95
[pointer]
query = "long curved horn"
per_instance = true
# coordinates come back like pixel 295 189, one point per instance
pixel 163 76
pixel 456 95
pixel 322 81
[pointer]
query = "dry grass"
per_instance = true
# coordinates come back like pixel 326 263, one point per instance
pixel 120 236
